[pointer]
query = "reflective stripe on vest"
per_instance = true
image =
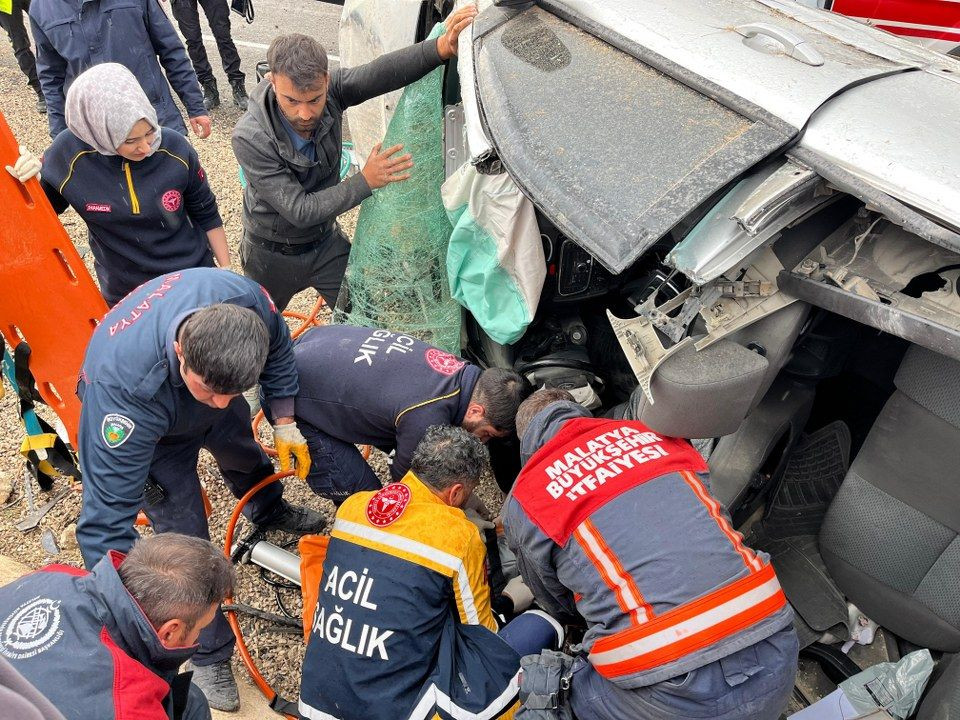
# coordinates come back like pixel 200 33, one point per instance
pixel 690 627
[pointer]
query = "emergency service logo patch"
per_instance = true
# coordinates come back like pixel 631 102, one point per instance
pixel 116 429
pixel 443 362
pixel 171 200
pixel 388 505
pixel 30 629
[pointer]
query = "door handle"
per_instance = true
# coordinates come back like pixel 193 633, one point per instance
pixel 792 44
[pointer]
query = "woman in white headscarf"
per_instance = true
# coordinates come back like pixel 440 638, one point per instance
pixel 140 189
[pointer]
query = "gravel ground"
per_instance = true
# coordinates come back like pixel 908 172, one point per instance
pixel 278 655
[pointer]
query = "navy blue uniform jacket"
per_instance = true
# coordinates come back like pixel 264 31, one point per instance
pixel 133 394
pixel 144 218
pixel 83 642
pixel 376 387
pixel 73 35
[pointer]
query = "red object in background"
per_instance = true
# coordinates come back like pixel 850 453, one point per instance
pixel 928 19
pixel 47 297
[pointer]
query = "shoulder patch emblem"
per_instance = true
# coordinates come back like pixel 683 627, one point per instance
pixel 443 362
pixel 30 629
pixel 388 504
pixel 171 200
pixel 116 429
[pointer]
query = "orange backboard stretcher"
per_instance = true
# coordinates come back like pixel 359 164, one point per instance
pixel 47 297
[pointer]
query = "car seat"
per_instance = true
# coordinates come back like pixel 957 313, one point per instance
pixel 942 700
pixel 891 537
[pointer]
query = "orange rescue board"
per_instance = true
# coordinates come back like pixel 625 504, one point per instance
pixel 47 297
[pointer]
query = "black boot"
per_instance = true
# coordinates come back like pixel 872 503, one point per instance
pixel 294 519
pixel 41 103
pixel 239 94
pixel 211 96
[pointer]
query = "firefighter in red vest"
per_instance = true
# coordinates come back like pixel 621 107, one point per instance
pixel 613 523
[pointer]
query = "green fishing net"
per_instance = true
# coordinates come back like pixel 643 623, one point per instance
pixel 396 276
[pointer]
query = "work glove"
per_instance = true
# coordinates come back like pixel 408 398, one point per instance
pixel 519 593
pixel 477 519
pixel 290 443
pixel 26 167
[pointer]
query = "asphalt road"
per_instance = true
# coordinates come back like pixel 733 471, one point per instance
pixel 272 18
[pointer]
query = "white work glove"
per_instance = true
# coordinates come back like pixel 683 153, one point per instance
pixel 519 594
pixel 26 167
pixel 475 503
pixel 477 519
pixel 289 444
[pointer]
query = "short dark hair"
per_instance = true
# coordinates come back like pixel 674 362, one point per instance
pixel 298 57
pixel 448 455
pixel 176 576
pixel 226 345
pixel 501 391
pixel 537 402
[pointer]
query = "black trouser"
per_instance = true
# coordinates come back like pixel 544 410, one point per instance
pixel 218 18
pixel 17 32
pixel 322 267
pixel 226 435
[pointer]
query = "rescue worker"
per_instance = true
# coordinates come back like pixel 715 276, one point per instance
pixel 139 187
pixel 289 143
pixel 109 643
pixel 74 35
pixel 381 388
pixel 403 627
pixel 162 378
pixel 614 523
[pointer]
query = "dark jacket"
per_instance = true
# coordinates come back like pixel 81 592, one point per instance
pixel 82 640
pixel 614 523
pixel 73 35
pixel 144 218
pixel 289 198
pixel 134 396
pixel 381 388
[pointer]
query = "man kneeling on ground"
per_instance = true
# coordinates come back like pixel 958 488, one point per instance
pixel 613 523
pixel 403 626
pixel 109 643
pixel 376 387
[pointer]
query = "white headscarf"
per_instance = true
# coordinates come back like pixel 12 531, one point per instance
pixel 103 105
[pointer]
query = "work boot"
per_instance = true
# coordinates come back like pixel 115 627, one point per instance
pixel 218 685
pixel 41 103
pixel 239 94
pixel 294 519
pixel 211 96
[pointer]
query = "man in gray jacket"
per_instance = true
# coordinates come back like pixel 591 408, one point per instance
pixel 289 143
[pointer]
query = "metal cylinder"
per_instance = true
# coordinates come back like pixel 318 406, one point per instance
pixel 277 560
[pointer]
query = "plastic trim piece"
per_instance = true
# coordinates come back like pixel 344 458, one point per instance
pixel 896 321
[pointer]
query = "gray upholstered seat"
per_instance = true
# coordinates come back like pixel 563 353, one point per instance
pixel 891 538
pixel 942 701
